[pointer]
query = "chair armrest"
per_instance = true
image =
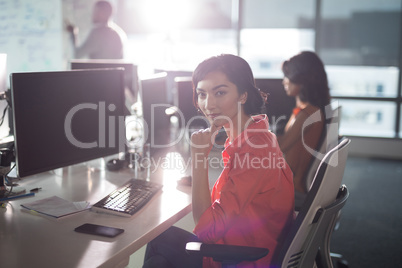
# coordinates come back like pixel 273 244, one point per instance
pixel 226 253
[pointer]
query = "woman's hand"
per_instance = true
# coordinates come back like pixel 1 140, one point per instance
pixel 203 140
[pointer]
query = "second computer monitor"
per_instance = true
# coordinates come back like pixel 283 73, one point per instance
pixel 153 95
pixel 131 81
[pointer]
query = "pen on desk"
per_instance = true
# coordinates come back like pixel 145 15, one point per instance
pixel 35 189
pixel 16 196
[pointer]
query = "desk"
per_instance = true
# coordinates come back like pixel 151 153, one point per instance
pixel 28 240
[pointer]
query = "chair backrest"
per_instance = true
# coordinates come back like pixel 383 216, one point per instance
pixel 299 247
pixel 328 141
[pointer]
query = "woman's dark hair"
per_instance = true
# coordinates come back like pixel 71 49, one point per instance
pixel 238 72
pixel 307 70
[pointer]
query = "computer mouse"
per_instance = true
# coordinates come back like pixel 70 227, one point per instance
pixel 115 164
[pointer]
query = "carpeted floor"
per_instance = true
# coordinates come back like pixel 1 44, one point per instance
pixel 370 231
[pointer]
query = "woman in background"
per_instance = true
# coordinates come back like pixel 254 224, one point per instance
pixel 251 203
pixel 306 80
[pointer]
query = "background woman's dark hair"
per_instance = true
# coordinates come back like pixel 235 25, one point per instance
pixel 238 72
pixel 307 70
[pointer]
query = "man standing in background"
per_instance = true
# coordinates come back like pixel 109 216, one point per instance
pixel 106 39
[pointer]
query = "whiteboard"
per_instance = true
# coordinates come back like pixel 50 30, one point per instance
pixel 31 34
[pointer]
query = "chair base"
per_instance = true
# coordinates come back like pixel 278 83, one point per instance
pixel 338 261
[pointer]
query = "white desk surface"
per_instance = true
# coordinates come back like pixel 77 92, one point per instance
pixel 28 240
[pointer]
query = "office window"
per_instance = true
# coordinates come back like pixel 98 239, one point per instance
pixel 367 118
pixel 272 32
pixel 180 51
pixel 266 49
pixel 177 34
pixel 363 81
pixel 400 122
pixel 359 42
pixel 360 32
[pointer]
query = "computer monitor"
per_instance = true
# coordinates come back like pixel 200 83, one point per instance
pixel 154 104
pixel 279 106
pixel 65 118
pixel 131 81
pixel 170 80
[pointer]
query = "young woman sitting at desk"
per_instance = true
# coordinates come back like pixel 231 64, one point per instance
pixel 253 199
pixel 306 80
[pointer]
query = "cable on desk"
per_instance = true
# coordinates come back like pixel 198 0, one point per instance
pixel 7 192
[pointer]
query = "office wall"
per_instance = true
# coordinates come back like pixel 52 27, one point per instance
pixel 376 148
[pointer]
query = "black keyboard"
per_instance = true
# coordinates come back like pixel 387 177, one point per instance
pixel 127 199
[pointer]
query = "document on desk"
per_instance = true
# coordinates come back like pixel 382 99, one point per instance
pixel 56 207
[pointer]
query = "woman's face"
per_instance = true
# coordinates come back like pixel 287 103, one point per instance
pixel 291 89
pixel 218 99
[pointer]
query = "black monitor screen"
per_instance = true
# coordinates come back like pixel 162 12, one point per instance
pixel 64 118
pixel 154 105
pixel 131 81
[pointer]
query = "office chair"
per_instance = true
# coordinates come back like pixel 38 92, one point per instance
pixel 309 236
pixel 328 140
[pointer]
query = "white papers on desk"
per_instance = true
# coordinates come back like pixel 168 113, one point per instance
pixel 56 207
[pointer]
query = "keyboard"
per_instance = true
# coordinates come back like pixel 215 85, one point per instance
pixel 128 198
